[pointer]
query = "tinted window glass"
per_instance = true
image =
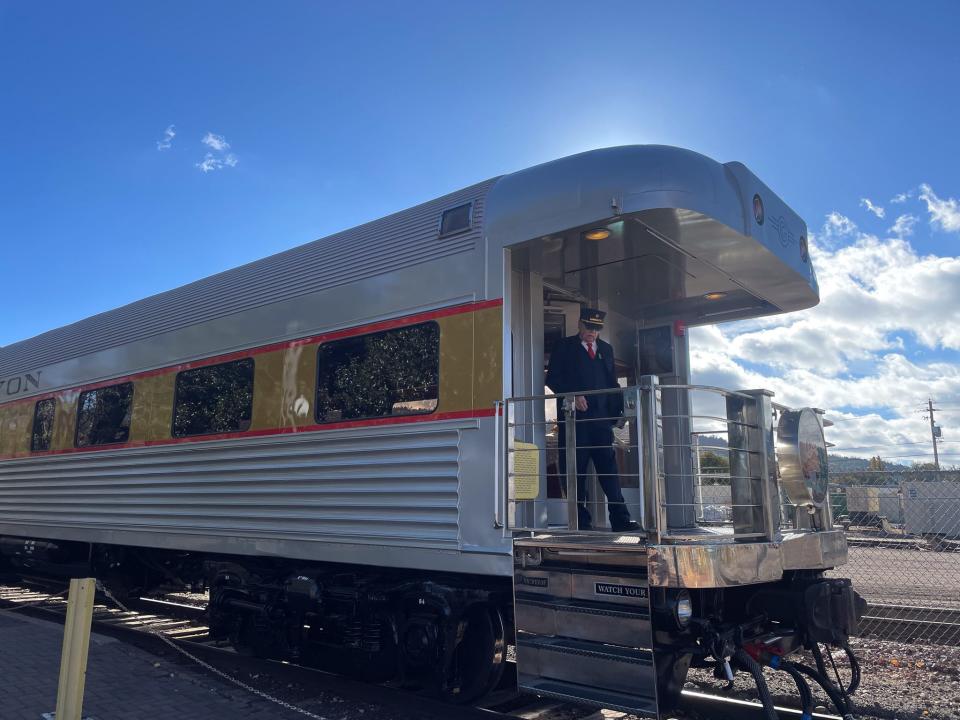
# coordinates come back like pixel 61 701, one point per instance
pixel 455 219
pixel 43 416
pixel 214 399
pixel 104 414
pixel 395 372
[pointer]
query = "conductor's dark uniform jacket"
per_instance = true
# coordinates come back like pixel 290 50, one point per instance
pixel 572 370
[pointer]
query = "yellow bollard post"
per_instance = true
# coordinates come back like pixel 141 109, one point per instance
pixel 76 643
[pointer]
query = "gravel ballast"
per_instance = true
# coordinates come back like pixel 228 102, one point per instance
pixel 899 681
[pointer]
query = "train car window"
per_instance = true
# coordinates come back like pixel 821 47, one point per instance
pixel 43 415
pixel 456 219
pixel 103 415
pixel 385 374
pixel 214 399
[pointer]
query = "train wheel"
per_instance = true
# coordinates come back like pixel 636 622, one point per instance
pixel 479 657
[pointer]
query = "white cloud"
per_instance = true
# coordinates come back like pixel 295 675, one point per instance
pixel 903 226
pixel 859 353
pixel 944 214
pixel 212 162
pixel 902 197
pixel 217 142
pixel 837 226
pixel 219 158
pixel 168 135
pixel 879 287
pixel 875 209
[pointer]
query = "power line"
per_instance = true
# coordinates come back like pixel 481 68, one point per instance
pixel 923 455
pixel 916 407
pixel 903 471
pixel 879 446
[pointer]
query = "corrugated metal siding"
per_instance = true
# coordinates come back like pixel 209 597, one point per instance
pixel 397 241
pixel 358 488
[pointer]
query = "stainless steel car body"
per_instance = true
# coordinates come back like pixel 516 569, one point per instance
pixel 410 496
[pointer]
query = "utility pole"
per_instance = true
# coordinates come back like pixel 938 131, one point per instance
pixel 933 435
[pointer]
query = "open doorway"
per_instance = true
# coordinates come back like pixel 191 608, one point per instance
pixel 649 289
pixel 561 313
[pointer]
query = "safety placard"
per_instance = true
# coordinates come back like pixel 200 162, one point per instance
pixel 618 590
pixel 526 471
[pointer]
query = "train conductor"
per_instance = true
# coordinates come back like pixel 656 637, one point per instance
pixel 585 362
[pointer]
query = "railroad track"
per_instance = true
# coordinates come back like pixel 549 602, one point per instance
pixel 174 620
pixel 181 623
pixel 903 623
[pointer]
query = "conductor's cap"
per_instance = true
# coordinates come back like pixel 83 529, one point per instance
pixel 592 318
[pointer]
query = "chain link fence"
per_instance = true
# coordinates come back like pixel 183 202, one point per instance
pixel 903 533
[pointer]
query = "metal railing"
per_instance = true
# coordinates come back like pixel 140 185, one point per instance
pixel 662 442
pixel 538 452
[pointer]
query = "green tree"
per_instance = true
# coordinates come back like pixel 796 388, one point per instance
pixel 716 465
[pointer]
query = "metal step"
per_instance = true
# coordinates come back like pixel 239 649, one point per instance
pixel 601 623
pixel 593 665
pixel 573 692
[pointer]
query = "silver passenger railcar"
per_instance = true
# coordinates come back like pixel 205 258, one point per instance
pixel 351 445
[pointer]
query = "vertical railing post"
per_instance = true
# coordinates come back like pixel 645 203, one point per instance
pixel 509 438
pixel 655 518
pixel 765 461
pixel 499 448
pixel 697 478
pixel 570 451
pixel 633 413
pixel 753 471
pixel 743 497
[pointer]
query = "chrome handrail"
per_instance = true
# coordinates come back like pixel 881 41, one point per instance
pixel 754 498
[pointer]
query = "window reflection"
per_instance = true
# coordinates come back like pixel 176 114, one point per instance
pixel 43 416
pixel 395 372
pixel 214 399
pixel 104 415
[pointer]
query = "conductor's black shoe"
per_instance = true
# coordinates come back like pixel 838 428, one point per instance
pixel 624 526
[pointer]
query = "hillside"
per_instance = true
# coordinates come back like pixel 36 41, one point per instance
pixel 837 463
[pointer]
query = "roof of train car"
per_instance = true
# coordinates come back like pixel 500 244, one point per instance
pixel 380 246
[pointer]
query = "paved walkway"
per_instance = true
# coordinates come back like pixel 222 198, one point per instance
pixel 123 682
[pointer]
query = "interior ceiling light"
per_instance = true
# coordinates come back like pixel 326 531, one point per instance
pixel 597 234
pixel 715 296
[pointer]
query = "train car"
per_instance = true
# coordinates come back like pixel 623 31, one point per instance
pixel 351 446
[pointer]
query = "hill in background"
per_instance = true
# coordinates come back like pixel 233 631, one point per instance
pixel 837 463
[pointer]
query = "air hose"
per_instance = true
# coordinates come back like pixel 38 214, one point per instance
pixel 806 694
pixel 835 695
pixel 751 666
pixel 854 668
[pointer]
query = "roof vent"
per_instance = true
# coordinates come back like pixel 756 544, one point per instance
pixel 456 219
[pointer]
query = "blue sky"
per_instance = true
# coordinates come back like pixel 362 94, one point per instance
pixel 338 113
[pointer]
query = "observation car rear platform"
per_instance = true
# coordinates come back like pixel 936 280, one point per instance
pixel 727 568
pixel 616 619
pixel 351 443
